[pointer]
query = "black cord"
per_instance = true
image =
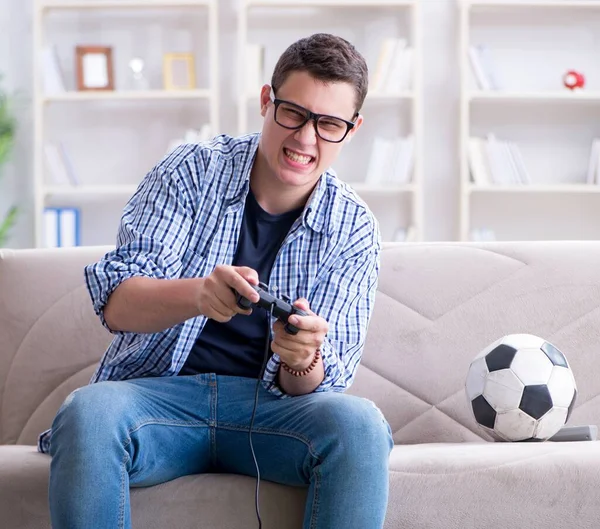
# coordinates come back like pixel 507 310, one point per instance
pixel 262 370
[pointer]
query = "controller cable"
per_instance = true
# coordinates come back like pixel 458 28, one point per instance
pixel 258 382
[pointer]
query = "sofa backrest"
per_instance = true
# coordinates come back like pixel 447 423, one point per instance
pixel 437 306
pixel 50 338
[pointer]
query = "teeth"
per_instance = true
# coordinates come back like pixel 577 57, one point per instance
pixel 304 160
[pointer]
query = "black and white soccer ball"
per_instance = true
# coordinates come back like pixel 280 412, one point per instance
pixel 521 388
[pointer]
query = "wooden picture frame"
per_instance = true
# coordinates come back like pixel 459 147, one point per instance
pixel 94 67
pixel 178 71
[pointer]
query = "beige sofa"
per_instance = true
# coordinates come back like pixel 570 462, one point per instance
pixel 438 304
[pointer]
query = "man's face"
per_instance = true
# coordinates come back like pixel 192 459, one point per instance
pixel 299 157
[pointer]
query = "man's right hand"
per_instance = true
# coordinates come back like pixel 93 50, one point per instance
pixel 217 299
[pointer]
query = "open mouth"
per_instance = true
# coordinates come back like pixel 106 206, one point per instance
pixel 302 159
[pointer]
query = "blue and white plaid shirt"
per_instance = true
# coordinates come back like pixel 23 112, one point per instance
pixel 185 219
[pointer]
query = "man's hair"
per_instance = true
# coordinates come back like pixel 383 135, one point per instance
pixel 327 58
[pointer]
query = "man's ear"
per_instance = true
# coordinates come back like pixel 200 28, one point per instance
pixel 265 97
pixel 357 125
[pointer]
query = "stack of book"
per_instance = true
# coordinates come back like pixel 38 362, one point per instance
pixel 391 161
pixel 493 161
pixel 393 71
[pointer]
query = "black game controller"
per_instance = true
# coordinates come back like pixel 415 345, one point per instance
pixel 282 309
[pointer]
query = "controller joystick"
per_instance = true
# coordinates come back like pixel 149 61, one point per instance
pixel 282 308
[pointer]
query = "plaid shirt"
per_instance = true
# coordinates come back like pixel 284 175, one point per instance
pixel 184 220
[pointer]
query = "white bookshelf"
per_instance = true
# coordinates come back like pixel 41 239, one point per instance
pixel 528 45
pixel 390 113
pixel 113 138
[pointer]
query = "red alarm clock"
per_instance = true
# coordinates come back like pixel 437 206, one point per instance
pixel 573 79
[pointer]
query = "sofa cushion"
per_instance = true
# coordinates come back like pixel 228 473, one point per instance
pixel 208 500
pixel 433 486
pixel 495 486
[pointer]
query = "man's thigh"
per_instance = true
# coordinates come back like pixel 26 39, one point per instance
pixel 162 428
pixel 289 435
pixel 174 436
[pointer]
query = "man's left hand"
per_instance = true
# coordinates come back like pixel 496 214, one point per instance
pixel 298 350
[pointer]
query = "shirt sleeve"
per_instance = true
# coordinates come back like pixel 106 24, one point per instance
pixel 345 298
pixel 152 236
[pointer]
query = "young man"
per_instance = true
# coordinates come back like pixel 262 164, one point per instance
pixel 208 220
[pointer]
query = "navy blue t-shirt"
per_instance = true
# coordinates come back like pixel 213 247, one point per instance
pixel 236 348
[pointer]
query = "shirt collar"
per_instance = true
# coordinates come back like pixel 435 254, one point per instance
pixel 238 191
pixel 313 216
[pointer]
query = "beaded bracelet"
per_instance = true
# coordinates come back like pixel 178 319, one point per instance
pixel 305 371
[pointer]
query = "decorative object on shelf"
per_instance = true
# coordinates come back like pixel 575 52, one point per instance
pixel 138 80
pixel 7 133
pixel 573 80
pixel 178 71
pixel 94 67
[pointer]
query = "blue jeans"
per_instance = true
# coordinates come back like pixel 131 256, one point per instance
pixel 109 436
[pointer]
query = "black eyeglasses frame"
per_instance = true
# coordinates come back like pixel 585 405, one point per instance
pixel 309 115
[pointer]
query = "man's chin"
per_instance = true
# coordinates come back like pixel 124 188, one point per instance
pixel 291 177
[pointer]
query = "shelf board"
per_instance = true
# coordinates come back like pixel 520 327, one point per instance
pixel 361 187
pixel 118 4
pixel 330 3
pixel 549 96
pixel 548 188
pixel 126 95
pixel 85 191
pixel 521 4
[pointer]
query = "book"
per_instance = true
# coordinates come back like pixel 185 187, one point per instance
pixel 486 61
pixel 59 165
pixel 478 162
pixel 592 172
pixel 399 75
pixel 380 162
pixel 389 51
pixel 403 159
pixel 52 77
pixel 477 68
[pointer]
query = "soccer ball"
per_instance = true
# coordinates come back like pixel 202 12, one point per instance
pixel 520 388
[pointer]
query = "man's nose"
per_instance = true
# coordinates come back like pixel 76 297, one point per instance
pixel 307 133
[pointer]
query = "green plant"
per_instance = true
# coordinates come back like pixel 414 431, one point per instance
pixel 7 134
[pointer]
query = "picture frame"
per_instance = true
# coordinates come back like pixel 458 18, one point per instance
pixel 178 71
pixel 94 67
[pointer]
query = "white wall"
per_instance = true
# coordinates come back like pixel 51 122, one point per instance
pixel 440 110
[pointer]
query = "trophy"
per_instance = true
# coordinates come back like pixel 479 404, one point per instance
pixel 139 80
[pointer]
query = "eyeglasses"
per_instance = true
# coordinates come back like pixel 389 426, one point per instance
pixel 292 116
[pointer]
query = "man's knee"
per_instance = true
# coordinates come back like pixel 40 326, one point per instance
pixel 358 422
pixel 92 410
